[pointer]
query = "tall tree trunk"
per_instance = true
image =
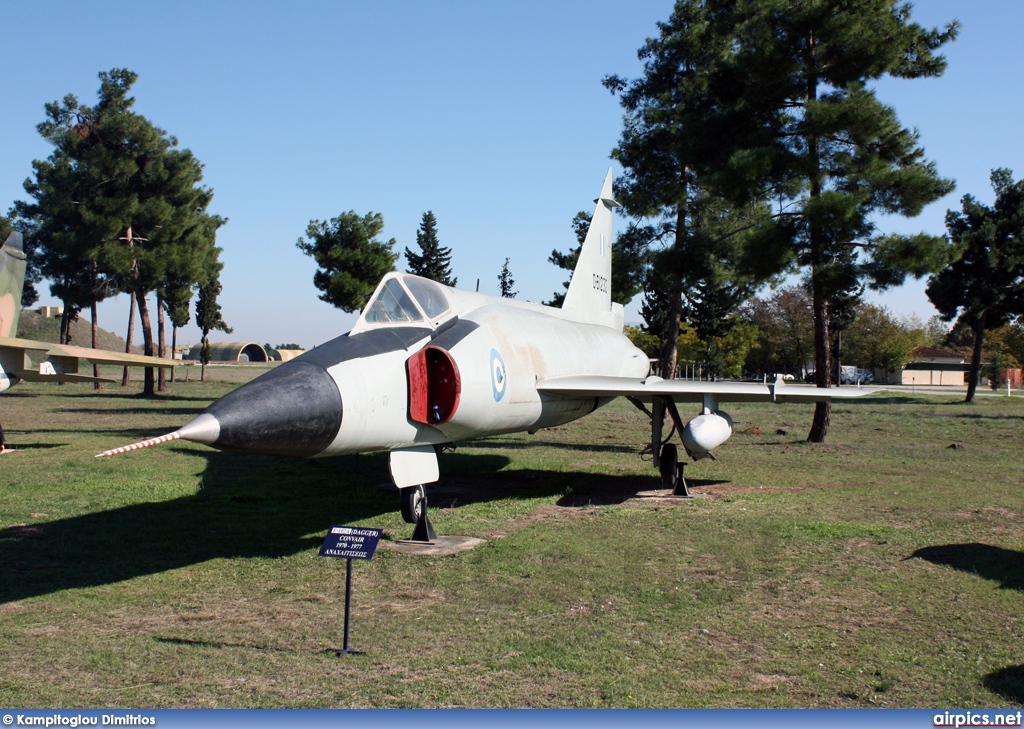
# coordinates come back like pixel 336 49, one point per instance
pixel 149 383
pixel 65 325
pixel 128 339
pixel 202 358
pixel 670 346
pixel 978 325
pixel 95 326
pixel 822 355
pixel 161 339
pixel 174 346
pixel 822 410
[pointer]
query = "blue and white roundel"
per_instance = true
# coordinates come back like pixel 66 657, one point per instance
pixel 499 379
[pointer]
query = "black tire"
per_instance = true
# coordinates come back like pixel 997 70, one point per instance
pixel 412 499
pixel 669 464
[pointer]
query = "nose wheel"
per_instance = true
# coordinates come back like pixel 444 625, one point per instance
pixel 414 511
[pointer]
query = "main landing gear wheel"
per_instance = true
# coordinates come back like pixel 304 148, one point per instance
pixel 672 471
pixel 669 464
pixel 414 511
pixel 413 503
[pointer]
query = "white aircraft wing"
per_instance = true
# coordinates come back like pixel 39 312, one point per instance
pixel 645 390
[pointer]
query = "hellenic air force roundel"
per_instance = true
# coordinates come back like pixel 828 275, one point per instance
pixel 498 378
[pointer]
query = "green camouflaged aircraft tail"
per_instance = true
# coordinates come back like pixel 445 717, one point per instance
pixel 12 280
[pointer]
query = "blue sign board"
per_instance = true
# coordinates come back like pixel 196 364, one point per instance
pixel 345 542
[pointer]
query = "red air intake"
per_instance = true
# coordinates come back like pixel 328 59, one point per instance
pixel 434 386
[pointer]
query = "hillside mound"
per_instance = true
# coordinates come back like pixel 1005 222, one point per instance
pixel 33 325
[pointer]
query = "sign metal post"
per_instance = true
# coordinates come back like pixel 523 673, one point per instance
pixel 348 543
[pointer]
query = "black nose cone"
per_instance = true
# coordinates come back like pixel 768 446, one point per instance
pixel 293 410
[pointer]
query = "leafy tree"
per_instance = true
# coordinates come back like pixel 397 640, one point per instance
pixel 936 332
pixel 118 192
pixel 785 331
pixel 876 339
pixel 629 257
pixel 433 261
pixel 350 258
pixel 649 343
pixel 985 285
pixel 1006 342
pixel 506 282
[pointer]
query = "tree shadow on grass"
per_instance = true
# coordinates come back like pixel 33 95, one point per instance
pixel 1005 566
pixel 1007 682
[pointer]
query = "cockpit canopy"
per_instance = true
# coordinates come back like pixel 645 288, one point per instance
pixel 405 299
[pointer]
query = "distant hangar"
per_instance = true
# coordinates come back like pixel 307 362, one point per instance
pixel 243 352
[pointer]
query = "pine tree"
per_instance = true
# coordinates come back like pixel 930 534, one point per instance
pixel 985 285
pixel 433 261
pixel 506 282
pixel 836 154
pixel 678 130
pixel 208 313
pixel 112 171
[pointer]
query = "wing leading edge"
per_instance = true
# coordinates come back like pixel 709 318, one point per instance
pixel 646 390
pixel 33 361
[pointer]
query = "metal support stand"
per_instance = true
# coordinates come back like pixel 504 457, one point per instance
pixel 681 489
pixel 424 531
pixel 346 651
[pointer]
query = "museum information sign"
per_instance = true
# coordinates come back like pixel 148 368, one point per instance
pixel 345 542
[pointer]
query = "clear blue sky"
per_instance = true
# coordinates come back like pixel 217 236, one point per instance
pixel 490 114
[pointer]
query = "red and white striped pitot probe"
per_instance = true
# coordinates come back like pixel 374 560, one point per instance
pixel 204 429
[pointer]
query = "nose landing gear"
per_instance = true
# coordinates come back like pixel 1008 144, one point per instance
pixel 414 511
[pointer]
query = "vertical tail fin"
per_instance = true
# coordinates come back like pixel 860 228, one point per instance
pixel 589 298
pixel 12 280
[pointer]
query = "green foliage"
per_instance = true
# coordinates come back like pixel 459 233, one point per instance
pixel 678 133
pixel 840 154
pixel 208 312
pixel 117 206
pixel 784 86
pixel 649 343
pixel 985 285
pixel 876 339
pixel 350 258
pixel 506 283
pixel 785 331
pixel 433 261
pixel 1007 343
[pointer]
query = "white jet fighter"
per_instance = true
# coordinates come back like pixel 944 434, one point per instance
pixel 426 365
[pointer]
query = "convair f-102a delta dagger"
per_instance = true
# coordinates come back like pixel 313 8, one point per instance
pixel 427 365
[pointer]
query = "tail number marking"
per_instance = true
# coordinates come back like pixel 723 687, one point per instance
pixel 600 283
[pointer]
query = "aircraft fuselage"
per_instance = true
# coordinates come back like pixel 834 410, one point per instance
pixel 395 387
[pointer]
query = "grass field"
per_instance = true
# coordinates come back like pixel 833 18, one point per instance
pixel 884 568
